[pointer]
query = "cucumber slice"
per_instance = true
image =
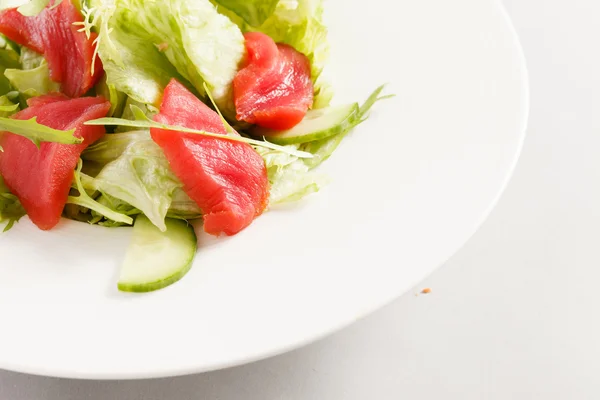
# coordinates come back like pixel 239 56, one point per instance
pixel 156 259
pixel 316 125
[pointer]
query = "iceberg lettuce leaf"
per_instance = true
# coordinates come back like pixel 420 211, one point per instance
pixel 290 178
pixel 8 59
pixel 32 82
pixel 136 178
pixel 143 44
pixel 253 12
pixel 141 177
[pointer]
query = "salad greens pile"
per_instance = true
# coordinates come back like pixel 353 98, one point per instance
pixel 142 45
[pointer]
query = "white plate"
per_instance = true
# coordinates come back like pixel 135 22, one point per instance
pixel 410 186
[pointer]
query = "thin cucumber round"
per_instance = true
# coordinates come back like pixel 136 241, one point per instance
pixel 316 125
pixel 156 259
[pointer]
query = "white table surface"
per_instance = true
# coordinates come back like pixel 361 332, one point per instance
pixel 514 315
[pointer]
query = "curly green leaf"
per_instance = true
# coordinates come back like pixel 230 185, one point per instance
pixel 38 133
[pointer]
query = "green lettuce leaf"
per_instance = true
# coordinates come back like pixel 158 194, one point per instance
pixel 84 200
pixel 8 59
pixel 136 177
pixel 143 44
pixel 141 177
pixel 105 201
pixel 38 133
pixel 115 205
pixel 290 178
pixel 6 43
pixel 11 210
pixel 132 63
pixel 7 106
pixel 117 99
pixel 26 74
pixel 110 147
pixel 182 207
pixel 32 82
pixel 130 104
pixel 253 12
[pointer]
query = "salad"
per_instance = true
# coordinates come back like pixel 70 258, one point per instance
pixel 152 114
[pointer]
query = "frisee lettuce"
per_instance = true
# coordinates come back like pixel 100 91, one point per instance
pixel 182 207
pixel 133 65
pixel 115 205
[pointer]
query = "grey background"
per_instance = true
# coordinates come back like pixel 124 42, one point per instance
pixel 514 315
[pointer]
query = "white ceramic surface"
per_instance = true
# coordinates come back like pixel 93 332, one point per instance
pixel 409 187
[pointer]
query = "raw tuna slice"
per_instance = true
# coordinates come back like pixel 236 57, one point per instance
pixel 47 99
pixel 274 89
pixel 228 180
pixel 41 178
pixel 69 53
